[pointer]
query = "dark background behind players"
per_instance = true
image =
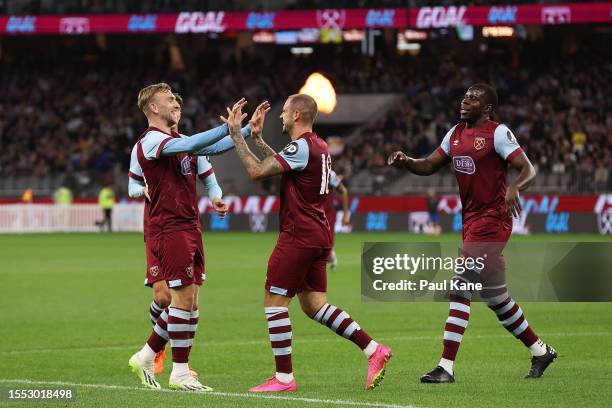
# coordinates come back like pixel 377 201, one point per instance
pixel 553 85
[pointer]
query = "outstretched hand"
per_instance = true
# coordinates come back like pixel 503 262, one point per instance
pixel 235 116
pixel 257 120
pixel 397 158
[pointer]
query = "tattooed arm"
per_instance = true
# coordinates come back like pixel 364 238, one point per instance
pixel 263 147
pixel 256 124
pixel 257 169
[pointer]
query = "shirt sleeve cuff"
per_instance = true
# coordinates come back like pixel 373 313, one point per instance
pixel 135 176
pixel 441 151
pixel 161 147
pixel 283 162
pixel 515 153
pixel 206 173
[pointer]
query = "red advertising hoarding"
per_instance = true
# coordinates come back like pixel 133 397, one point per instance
pixel 220 21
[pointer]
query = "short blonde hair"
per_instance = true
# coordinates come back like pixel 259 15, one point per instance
pixel 146 94
pixel 306 105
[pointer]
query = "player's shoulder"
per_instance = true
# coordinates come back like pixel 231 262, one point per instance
pixel 153 133
pixel 502 131
pixel 314 142
pixel 456 127
pixel 501 127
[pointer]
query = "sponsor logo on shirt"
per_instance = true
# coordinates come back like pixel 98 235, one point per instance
pixel 479 143
pixel 464 164
pixel 186 166
pixel 291 149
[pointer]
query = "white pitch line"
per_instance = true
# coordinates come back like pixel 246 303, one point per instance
pixel 330 339
pixel 213 393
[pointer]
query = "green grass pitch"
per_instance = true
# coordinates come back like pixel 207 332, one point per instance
pixel 74 310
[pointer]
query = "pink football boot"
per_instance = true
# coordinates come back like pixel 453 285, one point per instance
pixel 274 385
pixel 377 365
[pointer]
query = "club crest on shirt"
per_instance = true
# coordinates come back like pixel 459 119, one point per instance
pixel 154 270
pixel 479 143
pixel 291 149
pixel 186 166
pixel 511 137
pixel 464 164
pixel 189 271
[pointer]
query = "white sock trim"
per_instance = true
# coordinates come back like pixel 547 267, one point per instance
pixel 146 354
pixel 284 377
pixel 179 369
pixel 370 348
pixel 447 365
pixel 538 348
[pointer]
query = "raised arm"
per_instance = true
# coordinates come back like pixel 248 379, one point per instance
pixel 423 167
pixel 173 146
pixel 257 169
pixel 429 165
pixel 197 142
pixel 222 145
pixel 256 123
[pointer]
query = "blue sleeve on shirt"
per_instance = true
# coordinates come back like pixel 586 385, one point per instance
pixel 214 190
pixel 222 145
pixel 195 142
pixel 334 181
pixel 445 145
pixel 296 154
pixel 134 165
pixel 151 143
pixel 135 188
pixel 504 141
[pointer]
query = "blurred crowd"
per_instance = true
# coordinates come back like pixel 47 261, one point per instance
pixel 560 112
pixel 83 117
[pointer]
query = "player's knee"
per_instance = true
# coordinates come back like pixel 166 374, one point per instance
pixel 310 307
pixel 184 298
pixel 162 298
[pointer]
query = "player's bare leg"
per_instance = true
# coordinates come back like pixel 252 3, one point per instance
pixel 182 324
pixel 315 305
pixel 279 329
pixel 161 300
